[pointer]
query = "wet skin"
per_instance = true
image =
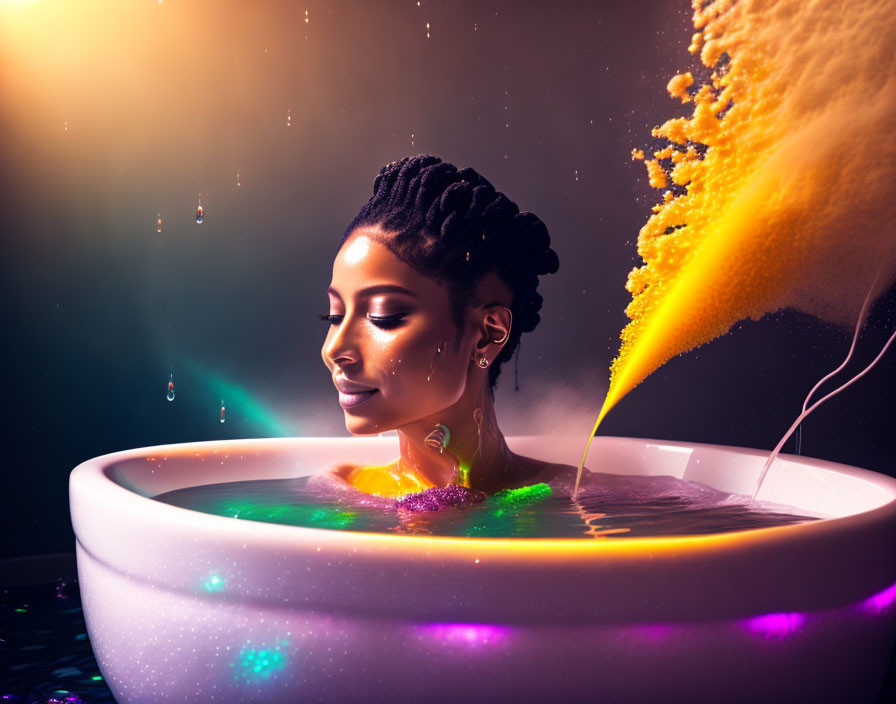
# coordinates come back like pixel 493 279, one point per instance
pixel 400 363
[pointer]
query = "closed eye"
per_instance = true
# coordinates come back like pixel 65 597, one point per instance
pixel 387 322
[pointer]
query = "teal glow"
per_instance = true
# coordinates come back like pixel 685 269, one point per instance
pixel 240 401
pixel 97 678
pixel 214 583
pixel 253 664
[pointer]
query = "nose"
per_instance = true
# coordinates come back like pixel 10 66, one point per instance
pixel 340 347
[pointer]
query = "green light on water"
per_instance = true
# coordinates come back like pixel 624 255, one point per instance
pixel 510 513
pixel 523 495
pixel 290 514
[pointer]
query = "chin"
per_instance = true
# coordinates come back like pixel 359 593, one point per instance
pixel 362 426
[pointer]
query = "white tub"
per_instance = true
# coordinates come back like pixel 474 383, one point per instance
pixel 183 606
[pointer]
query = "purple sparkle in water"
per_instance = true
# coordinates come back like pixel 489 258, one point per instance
pixel 776 625
pixel 880 602
pixel 440 497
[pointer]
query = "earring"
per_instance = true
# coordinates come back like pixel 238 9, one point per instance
pixel 477 419
pixel 438 438
pixel 482 361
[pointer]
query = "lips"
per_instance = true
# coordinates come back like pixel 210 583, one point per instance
pixel 351 400
pixel 351 395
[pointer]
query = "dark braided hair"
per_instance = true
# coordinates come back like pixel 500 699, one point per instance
pixel 453 226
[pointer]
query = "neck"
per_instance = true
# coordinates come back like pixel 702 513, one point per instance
pixel 475 445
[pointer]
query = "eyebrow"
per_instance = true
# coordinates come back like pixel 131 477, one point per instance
pixel 375 289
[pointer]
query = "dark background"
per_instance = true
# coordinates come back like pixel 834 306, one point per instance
pixel 111 116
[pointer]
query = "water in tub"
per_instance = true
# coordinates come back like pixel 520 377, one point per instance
pixel 606 506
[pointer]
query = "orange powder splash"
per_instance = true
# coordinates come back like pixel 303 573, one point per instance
pixel 785 174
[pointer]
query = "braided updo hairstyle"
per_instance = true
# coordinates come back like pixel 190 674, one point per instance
pixel 453 226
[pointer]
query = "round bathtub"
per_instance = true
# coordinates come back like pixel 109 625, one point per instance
pixel 184 606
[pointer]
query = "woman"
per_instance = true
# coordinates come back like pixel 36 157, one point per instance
pixel 433 284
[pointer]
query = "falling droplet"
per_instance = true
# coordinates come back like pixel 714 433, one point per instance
pixel 468 256
pixel 66 126
pixel 222 411
pixel 238 179
pixel 577 174
pixel 289 118
pixel 427 30
pixel 170 395
pixel 199 215
pixel 306 22
pixel 159 223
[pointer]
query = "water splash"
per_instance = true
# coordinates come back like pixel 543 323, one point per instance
pixel 777 188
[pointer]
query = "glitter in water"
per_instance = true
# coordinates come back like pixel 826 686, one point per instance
pixel 159 223
pixel 439 497
pixel 170 394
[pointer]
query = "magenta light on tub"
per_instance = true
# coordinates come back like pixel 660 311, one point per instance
pixel 185 606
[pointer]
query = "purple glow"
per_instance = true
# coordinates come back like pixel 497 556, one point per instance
pixel 880 602
pixel 775 625
pixel 652 631
pixel 473 634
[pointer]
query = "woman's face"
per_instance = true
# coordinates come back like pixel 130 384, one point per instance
pixel 392 346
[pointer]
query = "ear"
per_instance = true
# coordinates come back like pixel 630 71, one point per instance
pixel 495 331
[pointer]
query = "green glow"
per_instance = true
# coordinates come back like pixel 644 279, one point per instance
pixel 511 513
pixel 21 611
pixel 255 664
pixel 465 474
pixel 214 583
pixel 239 401
pixel 97 678
pixel 522 496
pixel 289 514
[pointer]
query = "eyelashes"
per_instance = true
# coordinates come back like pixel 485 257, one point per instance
pixel 386 322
